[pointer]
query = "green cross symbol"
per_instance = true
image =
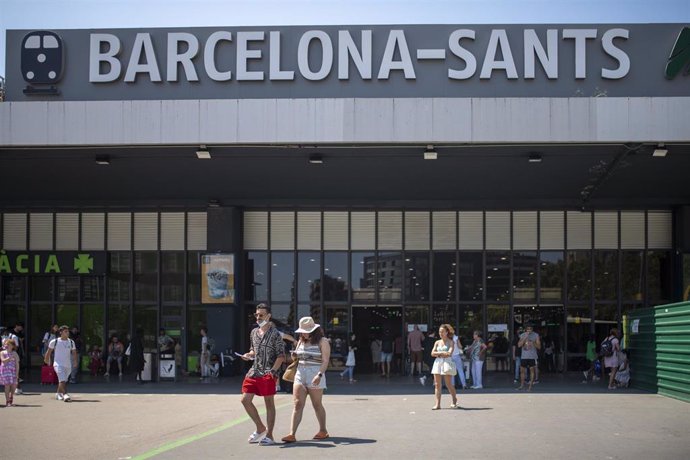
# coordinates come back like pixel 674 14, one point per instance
pixel 83 264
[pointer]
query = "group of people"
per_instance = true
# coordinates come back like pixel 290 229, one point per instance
pixel 610 358
pixel 267 354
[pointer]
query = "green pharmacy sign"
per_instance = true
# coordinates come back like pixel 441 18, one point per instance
pixel 52 263
pixel 679 60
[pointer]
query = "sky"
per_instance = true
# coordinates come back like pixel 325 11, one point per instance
pixel 93 14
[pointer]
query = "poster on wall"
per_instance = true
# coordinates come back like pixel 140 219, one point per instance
pixel 218 278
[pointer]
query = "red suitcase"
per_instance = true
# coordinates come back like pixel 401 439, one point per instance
pixel 48 375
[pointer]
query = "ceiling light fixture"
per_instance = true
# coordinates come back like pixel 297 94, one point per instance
pixel 430 153
pixel 203 153
pixel 316 159
pixel 102 159
pixel 660 151
pixel 535 158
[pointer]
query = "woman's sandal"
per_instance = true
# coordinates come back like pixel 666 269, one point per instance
pixel 435 408
pixel 289 438
pixel 321 435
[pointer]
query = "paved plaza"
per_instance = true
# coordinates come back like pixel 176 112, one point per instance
pixel 374 418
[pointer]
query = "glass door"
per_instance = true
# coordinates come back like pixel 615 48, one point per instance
pixel 549 323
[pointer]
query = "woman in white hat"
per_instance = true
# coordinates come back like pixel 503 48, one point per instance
pixel 313 352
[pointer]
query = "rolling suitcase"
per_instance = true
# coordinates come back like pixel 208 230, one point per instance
pixel 48 375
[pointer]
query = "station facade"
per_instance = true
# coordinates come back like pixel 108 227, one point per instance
pixel 371 177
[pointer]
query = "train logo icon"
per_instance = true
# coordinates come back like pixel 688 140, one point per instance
pixel 43 55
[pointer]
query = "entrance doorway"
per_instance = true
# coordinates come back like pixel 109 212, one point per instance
pixel 549 323
pixel 372 325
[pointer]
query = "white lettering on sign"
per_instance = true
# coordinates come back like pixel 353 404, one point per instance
pixel 185 58
pixel 326 55
pixel 109 57
pixel 313 56
pixel 143 47
pixel 580 36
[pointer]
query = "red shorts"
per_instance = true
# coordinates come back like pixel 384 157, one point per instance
pixel 260 386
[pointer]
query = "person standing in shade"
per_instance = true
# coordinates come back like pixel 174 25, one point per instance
pixel 444 369
pixel 205 353
pixel 477 355
pixel 386 353
pixel 115 352
pixel 376 353
pixel 65 359
pixel 590 356
pixel 457 358
pixel 136 355
pixel 75 335
pixel 415 345
pixel 530 343
pixel 47 337
pixel 268 353
pixel 429 342
pixel 610 348
pixel 517 355
pixel 351 359
pixel 313 354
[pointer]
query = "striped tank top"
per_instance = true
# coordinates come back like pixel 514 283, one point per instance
pixel 308 354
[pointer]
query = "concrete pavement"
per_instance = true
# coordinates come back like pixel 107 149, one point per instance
pixel 373 418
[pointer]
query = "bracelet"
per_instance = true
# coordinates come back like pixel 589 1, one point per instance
pixel 320 374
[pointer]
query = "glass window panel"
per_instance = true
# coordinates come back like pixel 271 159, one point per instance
pixel 92 329
pixel 417 315
pixel 92 288
pixel 416 276
pixel 282 276
pixel 605 318
pixel 579 321
pixel 390 275
pixel 632 283
pixel 309 276
pixel 306 309
pixel 498 338
pixel 146 323
pixel 470 276
pixel 256 270
pixel 283 316
pixel 659 276
pixel 471 318
pixel 606 275
pixel 363 276
pixel 337 330
pixel 194 278
pixel 579 275
pixel 337 320
pixel 497 275
pixel 336 277
pixel 118 321
pixel 524 276
pixel 41 320
pixel 220 337
pixel 119 277
pixel 67 314
pixel 14 289
pixel 443 314
pixel 172 276
pixel 146 277
pixel 42 288
pixel 445 279
pixel 551 271
pixel 67 289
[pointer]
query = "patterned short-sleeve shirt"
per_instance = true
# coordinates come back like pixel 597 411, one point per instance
pixel 267 348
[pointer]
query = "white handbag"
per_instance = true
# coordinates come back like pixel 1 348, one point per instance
pixel 350 359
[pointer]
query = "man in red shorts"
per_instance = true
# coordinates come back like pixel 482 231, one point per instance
pixel 267 352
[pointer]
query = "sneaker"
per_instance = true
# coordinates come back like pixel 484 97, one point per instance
pixel 266 441
pixel 18 391
pixel 106 374
pixel 422 380
pixel 59 396
pixel 585 374
pixel 67 397
pixel 255 437
pixel 536 381
pixel 120 374
pixel 515 380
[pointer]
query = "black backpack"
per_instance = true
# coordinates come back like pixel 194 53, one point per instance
pixel 607 348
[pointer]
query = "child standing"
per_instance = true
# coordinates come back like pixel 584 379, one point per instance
pixel 9 370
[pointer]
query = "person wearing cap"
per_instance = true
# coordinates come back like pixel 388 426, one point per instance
pixel 267 353
pixel 313 353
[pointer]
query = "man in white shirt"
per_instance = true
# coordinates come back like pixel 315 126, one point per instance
pixel 65 360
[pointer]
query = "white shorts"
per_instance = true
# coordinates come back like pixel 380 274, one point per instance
pixel 305 374
pixel 62 372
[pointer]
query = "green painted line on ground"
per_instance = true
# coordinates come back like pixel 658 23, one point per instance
pixel 184 441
